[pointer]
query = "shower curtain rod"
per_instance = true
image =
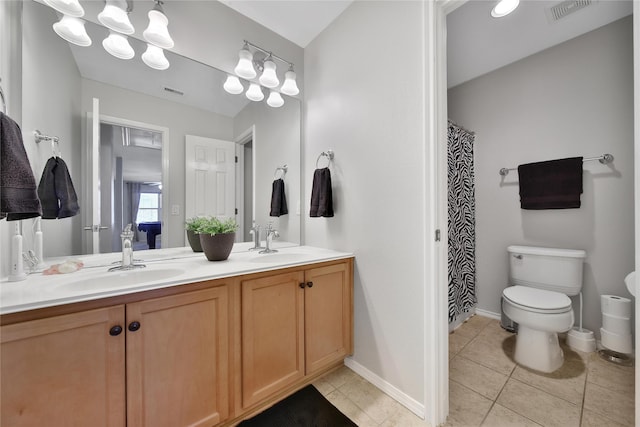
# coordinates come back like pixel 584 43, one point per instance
pixel 604 159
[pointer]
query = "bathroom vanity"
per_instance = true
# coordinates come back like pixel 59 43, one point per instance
pixel 183 342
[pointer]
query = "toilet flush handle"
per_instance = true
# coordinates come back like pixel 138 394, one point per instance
pixel 517 256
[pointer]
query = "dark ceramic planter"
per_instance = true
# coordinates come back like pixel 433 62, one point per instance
pixel 194 241
pixel 217 247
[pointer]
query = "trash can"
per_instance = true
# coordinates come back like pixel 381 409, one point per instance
pixel 506 323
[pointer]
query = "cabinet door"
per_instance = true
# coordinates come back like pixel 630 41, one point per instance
pixel 272 335
pixel 64 371
pixel 328 316
pixel 178 360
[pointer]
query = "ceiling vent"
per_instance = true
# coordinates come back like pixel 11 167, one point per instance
pixel 561 10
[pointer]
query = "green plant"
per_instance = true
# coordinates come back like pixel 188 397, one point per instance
pixel 193 224
pixel 212 225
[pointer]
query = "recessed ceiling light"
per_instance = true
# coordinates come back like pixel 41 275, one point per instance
pixel 504 7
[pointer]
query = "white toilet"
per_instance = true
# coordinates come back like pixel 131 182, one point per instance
pixel 541 278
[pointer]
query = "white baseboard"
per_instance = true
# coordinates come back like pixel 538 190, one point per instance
pixel 489 314
pixel 405 400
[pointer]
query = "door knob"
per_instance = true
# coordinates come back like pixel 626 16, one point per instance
pixel 301 285
pixel 310 284
pixel 134 326
pixel 115 330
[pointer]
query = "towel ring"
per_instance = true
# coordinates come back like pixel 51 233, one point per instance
pixel 328 154
pixel 282 169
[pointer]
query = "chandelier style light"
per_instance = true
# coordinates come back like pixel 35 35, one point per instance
pixel 157 32
pixel 72 30
pixel 118 45
pixel 114 16
pixel 67 7
pixel 246 69
pixel 154 58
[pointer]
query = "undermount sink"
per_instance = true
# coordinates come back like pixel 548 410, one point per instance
pixel 279 257
pixel 121 279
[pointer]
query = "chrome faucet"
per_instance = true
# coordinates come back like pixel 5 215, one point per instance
pixel 255 230
pixel 271 233
pixel 127 251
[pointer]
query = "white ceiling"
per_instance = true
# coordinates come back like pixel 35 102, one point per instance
pixel 298 21
pixel 478 44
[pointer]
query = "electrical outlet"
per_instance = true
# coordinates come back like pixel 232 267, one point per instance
pixel 175 209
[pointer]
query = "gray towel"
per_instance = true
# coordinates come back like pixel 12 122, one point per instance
pixel 278 199
pixel 58 197
pixel 18 197
pixel 321 194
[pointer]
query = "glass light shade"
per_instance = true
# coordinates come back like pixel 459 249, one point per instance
pixel 504 7
pixel 289 87
pixel 233 85
pixel 154 58
pixel 115 17
pixel 72 30
pixel 67 7
pixel 118 45
pixel 275 99
pixel 269 77
pixel 255 92
pixel 245 68
pixel 157 32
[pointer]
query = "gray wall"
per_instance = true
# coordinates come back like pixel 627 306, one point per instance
pixel 575 99
pixel 364 99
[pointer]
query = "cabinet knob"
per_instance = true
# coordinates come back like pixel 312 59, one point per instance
pixel 302 285
pixel 115 330
pixel 310 284
pixel 134 326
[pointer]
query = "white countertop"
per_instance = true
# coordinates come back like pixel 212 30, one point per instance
pixel 164 268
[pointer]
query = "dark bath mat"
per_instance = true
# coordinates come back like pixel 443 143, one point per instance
pixel 305 408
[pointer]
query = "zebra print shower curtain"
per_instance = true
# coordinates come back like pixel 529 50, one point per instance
pixel 461 222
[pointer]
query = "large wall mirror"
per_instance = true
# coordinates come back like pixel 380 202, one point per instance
pixel 146 119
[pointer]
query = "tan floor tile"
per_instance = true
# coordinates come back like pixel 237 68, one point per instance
pixel 370 399
pixel 499 416
pixel 340 377
pixel 538 406
pixel 405 418
pixel 610 376
pixel 592 419
pixel 566 382
pixel 617 406
pixel 457 342
pixel 350 409
pixel 494 333
pixel 478 378
pixel 491 355
pixel 466 407
pixel 323 386
pixel 474 325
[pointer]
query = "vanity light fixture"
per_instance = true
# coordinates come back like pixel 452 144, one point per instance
pixel 154 58
pixel 245 68
pixel 504 7
pixel 67 7
pixel 72 30
pixel 114 16
pixel 269 78
pixel 255 92
pixel 275 99
pixel 118 45
pixel 289 87
pixel 232 85
pixel 157 32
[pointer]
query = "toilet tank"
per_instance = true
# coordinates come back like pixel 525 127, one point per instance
pixel 552 269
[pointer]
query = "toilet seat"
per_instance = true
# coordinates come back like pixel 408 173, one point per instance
pixel 537 300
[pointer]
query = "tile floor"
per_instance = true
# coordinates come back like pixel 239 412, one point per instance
pixel 487 388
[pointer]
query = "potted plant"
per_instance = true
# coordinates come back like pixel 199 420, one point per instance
pixel 193 237
pixel 217 237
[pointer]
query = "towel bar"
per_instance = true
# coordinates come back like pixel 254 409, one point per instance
pixel 604 159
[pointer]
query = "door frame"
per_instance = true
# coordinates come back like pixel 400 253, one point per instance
pixel 247 135
pixel 436 387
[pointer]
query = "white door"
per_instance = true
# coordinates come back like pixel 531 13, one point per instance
pixel 210 177
pixel 91 189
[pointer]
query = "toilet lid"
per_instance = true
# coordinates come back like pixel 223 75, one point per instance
pixel 537 299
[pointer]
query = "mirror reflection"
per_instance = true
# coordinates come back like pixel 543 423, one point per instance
pixel 160 133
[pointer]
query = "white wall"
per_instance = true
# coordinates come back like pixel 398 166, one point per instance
pixel 363 99
pixel 574 99
pixel 51 104
pixel 276 143
pixel 180 119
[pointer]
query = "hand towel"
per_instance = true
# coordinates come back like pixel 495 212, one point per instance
pixel 321 194
pixel 56 191
pixel 18 196
pixel 278 199
pixel 554 184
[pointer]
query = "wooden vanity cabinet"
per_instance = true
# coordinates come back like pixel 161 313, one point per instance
pixel 70 370
pixel 293 325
